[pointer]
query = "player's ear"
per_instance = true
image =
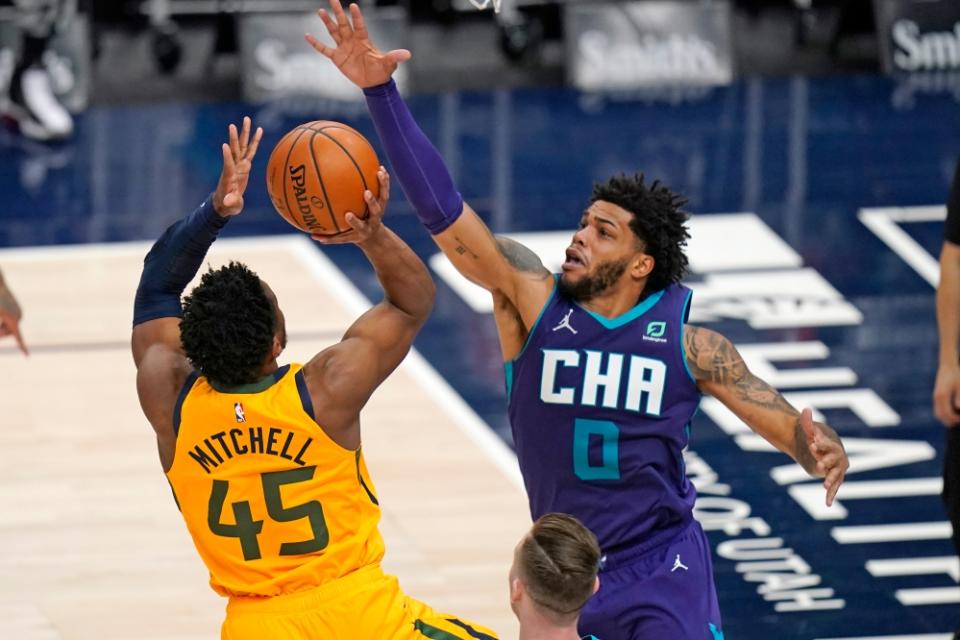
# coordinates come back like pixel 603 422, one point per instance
pixel 642 266
pixel 516 590
pixel 277 347
pixel 596 584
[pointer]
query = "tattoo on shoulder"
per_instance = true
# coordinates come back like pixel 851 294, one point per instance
pixel 714 359
pixel 520 257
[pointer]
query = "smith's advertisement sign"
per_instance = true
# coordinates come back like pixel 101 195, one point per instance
pixel 627 45
pixel 919 35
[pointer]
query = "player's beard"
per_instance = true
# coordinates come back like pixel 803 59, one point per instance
pixel 590 286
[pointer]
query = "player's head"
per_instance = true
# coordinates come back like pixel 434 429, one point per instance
pixel 232 325
pixel 632 233
pixel 554 570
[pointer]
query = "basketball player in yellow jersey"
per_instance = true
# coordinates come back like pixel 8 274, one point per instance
pixel 265 460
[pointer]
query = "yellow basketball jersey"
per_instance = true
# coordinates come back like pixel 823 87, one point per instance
pixel 274 505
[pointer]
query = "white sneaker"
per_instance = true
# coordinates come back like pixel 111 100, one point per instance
pixel 36 110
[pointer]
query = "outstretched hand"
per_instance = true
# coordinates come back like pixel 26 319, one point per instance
pixel 363 229
pixel 237 160
pixel 828 451
pixel 356 57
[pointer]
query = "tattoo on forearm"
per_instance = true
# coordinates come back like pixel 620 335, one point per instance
pixel 463 249
pixel 520 257
pixel 713 358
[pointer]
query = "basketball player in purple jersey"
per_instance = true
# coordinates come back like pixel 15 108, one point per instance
pixel 603 375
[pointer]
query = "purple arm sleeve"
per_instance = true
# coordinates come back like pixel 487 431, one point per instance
pixel 415 162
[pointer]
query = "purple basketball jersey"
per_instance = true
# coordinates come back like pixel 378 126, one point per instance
pixel 600 411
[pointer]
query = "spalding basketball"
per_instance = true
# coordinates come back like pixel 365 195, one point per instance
pixel 318 172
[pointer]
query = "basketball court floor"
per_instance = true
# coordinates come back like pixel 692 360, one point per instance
pixel 817 214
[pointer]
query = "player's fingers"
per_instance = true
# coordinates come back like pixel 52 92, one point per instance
pixel 359 224
pixel 245 134
pixel 832 483
pixel 234 140
pixel 374 206
pixel 255 144
pixel 359 26
pixel 399 55
pixel 229 168
pixel 384 178
pixel 824 446
pixel 319 46
pixel 15 329
pixel 827 464
pixel 831 457
pixel 344 237
pixel 342 24
pixel 330 25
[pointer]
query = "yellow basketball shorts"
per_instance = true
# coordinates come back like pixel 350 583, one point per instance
pixel 365 605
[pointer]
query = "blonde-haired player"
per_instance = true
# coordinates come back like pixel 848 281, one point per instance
pixel 265 460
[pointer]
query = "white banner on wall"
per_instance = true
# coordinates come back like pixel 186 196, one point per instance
pixel 919 35
pixel 278 63
pixel 625 45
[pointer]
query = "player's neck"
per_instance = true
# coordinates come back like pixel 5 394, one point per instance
pixel 536 626
pixel 614 302
pixel 269 369
pixel 532 631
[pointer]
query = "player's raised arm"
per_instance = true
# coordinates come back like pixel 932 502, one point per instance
pixel 721 372
pixel 342 378
pixel 174 259
pixel 498 265
pixel 168 268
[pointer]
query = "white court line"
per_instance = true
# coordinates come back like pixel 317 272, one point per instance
pixel 892 532
pixel 883 223
pixel 332 278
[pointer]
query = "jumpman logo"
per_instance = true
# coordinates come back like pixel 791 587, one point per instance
pixel 565 323
pixel 679 565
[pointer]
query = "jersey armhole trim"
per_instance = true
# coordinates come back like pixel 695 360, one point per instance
pixel 683 329
pixel 536 323
pixel 305 400
pixel 178 405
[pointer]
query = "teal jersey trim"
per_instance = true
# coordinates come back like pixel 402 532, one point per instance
pixel 717 633
pixel 683 329
pixel 536 322
pixel 629 316
pixel 508 376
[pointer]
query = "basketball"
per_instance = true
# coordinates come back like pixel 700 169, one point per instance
pixel 318 172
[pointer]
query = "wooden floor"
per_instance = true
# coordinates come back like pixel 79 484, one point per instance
pixel 91 543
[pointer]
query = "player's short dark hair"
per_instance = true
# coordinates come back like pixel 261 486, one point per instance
pixel 228 325
pixel 558 562
pixel 659 221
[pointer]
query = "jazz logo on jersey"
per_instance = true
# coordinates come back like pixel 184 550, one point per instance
pixel 655 331
pixel 238 411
